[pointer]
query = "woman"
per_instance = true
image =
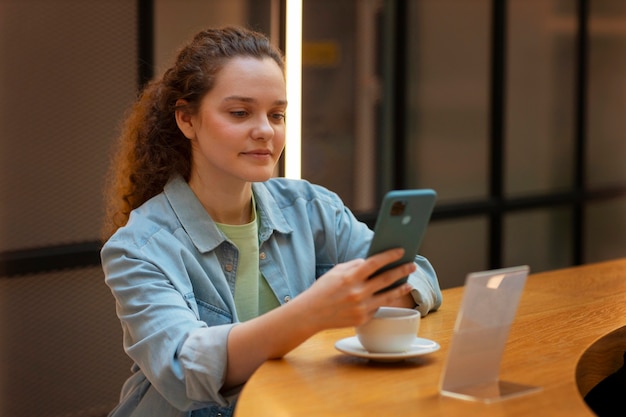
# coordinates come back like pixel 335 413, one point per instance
pixel 214 265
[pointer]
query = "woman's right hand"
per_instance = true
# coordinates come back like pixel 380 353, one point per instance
pixel 346 296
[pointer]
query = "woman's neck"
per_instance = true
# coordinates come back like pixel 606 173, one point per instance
pixel 225 204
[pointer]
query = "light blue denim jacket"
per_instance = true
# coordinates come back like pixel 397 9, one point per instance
pixel 172 273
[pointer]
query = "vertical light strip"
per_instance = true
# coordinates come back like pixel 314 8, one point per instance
pixel 275 22
pixel 367 93
pixel 293 75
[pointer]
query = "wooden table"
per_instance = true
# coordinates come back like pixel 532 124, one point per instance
pixel 569 332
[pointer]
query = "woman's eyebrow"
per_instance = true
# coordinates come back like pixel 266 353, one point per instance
pixel 245 99
pixel 240 98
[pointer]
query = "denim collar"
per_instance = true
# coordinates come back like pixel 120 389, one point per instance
pixel 203 231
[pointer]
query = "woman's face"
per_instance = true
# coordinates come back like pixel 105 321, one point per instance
pixel 238 133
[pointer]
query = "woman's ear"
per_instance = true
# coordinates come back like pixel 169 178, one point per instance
pixel 184 119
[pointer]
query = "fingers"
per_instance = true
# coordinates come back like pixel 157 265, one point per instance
pixel 378 261
pixel 358 273
pixel 362 271
pixel 389 277
pixel 375 262
pixel 395 297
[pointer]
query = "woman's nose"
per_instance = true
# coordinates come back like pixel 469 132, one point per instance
pixel 263 129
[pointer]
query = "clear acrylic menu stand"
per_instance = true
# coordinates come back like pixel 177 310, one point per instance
pixel 482 327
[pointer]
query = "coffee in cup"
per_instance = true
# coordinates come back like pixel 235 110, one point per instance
pixel 391 330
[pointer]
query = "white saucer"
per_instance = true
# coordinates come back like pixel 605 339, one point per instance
pixel 420 346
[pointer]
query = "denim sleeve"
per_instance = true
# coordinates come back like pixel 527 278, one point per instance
pixel 426 291
pixel 182 357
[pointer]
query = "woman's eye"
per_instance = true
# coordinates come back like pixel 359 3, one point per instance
pixel 239 113
pixel 278 116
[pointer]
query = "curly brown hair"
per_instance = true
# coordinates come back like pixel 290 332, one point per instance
pixel 151 148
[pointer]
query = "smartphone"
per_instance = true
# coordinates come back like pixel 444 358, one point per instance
pixel 402 222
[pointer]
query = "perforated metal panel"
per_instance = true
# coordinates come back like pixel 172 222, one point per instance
pixel 67 74
pixel 60 345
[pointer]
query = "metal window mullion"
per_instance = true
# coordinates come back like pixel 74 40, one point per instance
pixel 145 42
pixel 582 47
pixel 497 129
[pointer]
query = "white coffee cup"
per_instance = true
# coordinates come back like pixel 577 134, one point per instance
pixel 391 330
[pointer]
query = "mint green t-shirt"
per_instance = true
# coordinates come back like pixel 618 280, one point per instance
pixel 253 295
